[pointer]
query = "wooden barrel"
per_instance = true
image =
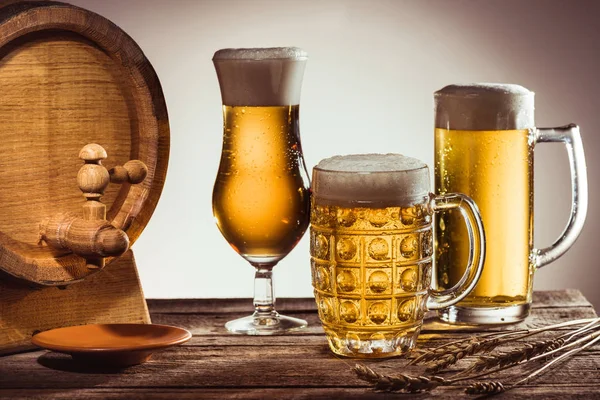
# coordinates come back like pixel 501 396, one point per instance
pixel 69 77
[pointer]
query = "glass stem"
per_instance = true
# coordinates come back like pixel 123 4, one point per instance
pixel 264 300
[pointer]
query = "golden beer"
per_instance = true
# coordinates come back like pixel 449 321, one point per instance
pixel 485 136
pixel 371 270
pixel 261 197
pixel 503 163
pixel 371 246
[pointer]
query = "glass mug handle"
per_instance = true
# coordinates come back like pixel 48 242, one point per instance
pixel 570 136
pixel 444 298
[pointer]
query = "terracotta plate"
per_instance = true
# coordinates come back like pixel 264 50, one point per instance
pixel 117 345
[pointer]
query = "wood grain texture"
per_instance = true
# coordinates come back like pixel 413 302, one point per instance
pixel 200 318
pixel 215 364
pixel 70 77
pixel 546 299
pixel 110 296
pixel 548 392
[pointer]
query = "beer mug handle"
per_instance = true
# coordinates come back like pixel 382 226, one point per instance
pixel 570 136
pixel 444 298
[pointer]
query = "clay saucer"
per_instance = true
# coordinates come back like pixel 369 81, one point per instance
pixel 114 345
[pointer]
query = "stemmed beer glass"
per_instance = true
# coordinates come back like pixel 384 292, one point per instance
pixel 261 198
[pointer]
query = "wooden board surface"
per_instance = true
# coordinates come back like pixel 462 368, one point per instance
pixel 69 77
pixel 215 364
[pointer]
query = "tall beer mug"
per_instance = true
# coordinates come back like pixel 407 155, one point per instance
pixel 484 143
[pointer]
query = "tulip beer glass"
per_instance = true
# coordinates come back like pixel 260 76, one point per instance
pixel 371 251
pixel 261 198
pixel 484 143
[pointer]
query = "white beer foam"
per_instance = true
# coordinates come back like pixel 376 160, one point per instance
pixel 371 180
pixel 260 76
pixel 484 106
pixel 271 53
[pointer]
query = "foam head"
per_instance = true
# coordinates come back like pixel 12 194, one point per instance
pixel 260 76
pixel 371 180
pixel 484 106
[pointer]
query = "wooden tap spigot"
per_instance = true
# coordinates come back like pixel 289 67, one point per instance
pixel 93 178
pixel 91 236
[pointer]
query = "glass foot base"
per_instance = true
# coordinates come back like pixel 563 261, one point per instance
pixel 484 315
pixel 271 324
pixel 371 344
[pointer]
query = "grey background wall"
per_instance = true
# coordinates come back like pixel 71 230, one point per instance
pixel 368 88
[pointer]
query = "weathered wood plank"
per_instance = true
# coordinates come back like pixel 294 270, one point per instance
pixel 240 366
pixel 425 340
pixel 549 392
pixel 559 298
pixel 214 324
pixel 239 305
pixel 215 364
pixel 538 317
pixel 552 298
pixel 211 324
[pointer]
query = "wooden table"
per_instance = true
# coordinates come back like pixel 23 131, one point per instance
pixel 215 364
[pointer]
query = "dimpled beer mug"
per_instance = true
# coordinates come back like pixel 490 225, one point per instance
pixel 371 247
pixel 261 197
pixel 484 141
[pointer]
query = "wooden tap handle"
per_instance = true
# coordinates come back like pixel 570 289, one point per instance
pixel 93 177
pixel 133 171
pixel 92 237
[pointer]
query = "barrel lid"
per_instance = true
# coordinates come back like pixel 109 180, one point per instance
pixel 70 77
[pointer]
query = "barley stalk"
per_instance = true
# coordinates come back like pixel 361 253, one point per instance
pixel 566 346
pixel 402 382
pixel 453 355
pixel 455 347
pixel 445 349
pixel 535 350
pixel 515 356
pixel 595 338
pixel 488 387
pixel 591 326
pixel 487 365
pixel 491 387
